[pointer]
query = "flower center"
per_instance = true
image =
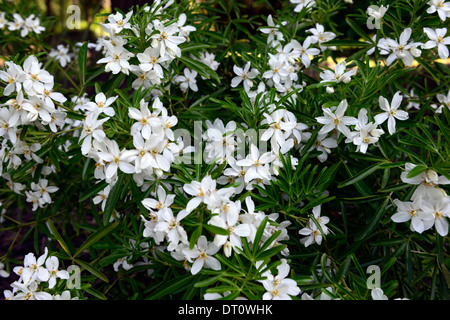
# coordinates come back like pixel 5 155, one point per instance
pixel 144 121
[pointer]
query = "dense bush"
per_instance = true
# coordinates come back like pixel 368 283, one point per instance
pixel 198 152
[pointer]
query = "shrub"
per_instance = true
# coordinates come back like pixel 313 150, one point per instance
pixel 194 152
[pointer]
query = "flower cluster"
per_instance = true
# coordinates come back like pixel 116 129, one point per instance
pixel 35 103
pixel 37 278
pixel 429 204
pixel 26 26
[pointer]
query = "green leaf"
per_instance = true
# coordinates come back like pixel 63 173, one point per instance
pixel 93 190
pixel 259 233
pixel 58 238
pixel 172 286
pixel 82 61
pixel 373 222
pixel 96 236
pixel 200 67
pixel 416 171
pixel 113 197
pixel 216 230
pixel 358 30
pixel 96 293
pixel 360 175
pixel 91 269
pixel 347 43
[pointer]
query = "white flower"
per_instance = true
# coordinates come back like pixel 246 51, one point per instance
pixel 102 105
pixel 375 13
pixel 151 153
pixel 172 228
pixel 14 76
pixel 187 81
pixel 324 144
pixel 146 118
pixel 378 294
pixel 36 77
pixel 312 231
pixel 411 102
pixel 184 30
pixel 200 191
pixel 274 36
pixel 305 51
pixel 52 264
pixel 367 133
pixel 412 211
pixel 280 126
pixel 2 20
pixel 244 75
pixel 61 54
pixel 391 112
pixel 437 39
pixel 8 122
pixel 440 209
pixel 146 79
pixel 3 272
pixel 319 35
pixel 441 7
pixel 162 204
pixel 92 128
pixel 203 255
pixel 102 196
pixel 44 189
pixel 336 120
pixel 403 49
pixel 278 70
pixel 444 100
pixel 426 181
pixel 34 269
pixel 300 4
pixel 29 292
pixel 117 159
pixel 150 59
pixel 116 22
pixel 280 287
pixel 229 221
pixel 256 164
pixel 166 40
pixel 338 75
pixel 116 59
pixel 48 95
pixel 122 262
